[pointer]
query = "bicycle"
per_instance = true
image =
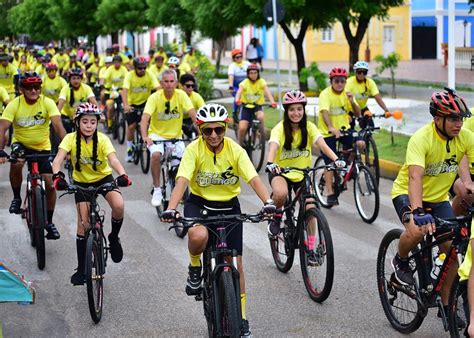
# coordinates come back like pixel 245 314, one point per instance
pixel 294 229
pixel 220 293
pixel 118 119
pixel 139 148
pixel 96 249
pixel 34 205
pixel 366 192
pixel 406 306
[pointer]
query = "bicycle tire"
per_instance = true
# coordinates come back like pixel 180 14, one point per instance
pixel 94 275
pixel 39 207
pixel 115 123
pixel 323 250
pixel 458 308
pixel 401 310
pixel 319 183
pixel 164 199
pixel 366 186
pixel 283 245
pixel 180 232
pixel 258 148
pixel 208 296
pixel 121 127
pixel 371 159
pixel 145 159
pixel 231 318
pixel 28 215
pixel 137 145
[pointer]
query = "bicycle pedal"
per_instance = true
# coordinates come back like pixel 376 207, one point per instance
pixel 198 298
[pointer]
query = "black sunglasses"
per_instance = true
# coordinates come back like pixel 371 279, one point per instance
pixel 208 131
pixel 361 72
pixel 167 107
pixel 141 68
pixel 189 85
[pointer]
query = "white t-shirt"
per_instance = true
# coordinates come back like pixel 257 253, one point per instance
pixel 238 70
pixel 252 52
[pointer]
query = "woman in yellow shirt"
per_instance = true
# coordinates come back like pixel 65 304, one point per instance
pixel 91 152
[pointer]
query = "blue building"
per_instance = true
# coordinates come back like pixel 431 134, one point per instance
pixel 430 27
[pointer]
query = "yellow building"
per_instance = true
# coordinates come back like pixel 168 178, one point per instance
pixel 391 35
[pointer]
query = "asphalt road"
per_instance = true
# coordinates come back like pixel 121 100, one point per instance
pixel 144 294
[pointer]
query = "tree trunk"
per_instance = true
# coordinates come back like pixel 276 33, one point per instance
pixel 114 36
pixel 354 40
pixel 187 37
pixel 298 45
pixel 392 73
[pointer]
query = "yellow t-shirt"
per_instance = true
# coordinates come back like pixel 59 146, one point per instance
pixel 71 65
pixel 253 92
pixel 157 72
pixel 81 95
pixel 219 181
pixel 115 77
pixel 362 91
pixel 197 101
pixel 31 122
pixel 338 106
pixel 139 88
pixel 6 77
pixel 465 267
pixel 162 54
pixel 191 60
pixel 93 72
pixel 41 71
pixel 3 98
pixel 296 157
pixel 165 122
pixel 184 68
pixel 52 87
pixel 87 173
pixel 428 150
pixel 24 67
pixel 61 60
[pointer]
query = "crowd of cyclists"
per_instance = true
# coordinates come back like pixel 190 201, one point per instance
pixel 56 100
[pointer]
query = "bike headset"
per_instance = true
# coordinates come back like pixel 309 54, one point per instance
pixel 211 113
pixel 448 104
pixel 86 109
pixel 253 67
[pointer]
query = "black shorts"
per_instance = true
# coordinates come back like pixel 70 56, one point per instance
pixel 135 116
pixel 441 209
pixel 248 114
pixel 82 196
pixel 347 142
pixel 195 204
pixel 188 127
pixel 44 163
pixel 291 185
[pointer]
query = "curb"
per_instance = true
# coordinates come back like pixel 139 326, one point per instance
pixel 389 169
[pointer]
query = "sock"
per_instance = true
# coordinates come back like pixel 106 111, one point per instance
pixel 195 259
pixel 129 144
pixel 157 188
pixel 311 240
pixel 17 192
pixel 243 301
pixel 116 225
pixel 50 216
pixel 109 123
pixel 81 252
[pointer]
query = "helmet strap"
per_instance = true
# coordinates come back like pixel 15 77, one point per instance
pixel 444 134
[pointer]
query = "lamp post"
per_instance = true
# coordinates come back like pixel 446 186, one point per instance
pixel 464 23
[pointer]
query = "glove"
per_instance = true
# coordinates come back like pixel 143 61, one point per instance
pixel 422 218
pixel 169 215
pixel 59 182
pixel 238 102
pixel 340 163
pixel 123 181
pixel 367 113
pixel 274 104
pixel 269 208
pixel 272 167
pixel 3 153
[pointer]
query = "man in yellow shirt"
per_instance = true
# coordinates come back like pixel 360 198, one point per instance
pixel 433 159
pixel 7 74
pixel 188 84
pixel 163 119
pixel 137 87
pixel 52 83
pixel 30 114
pixel 191 59
pixel 158 67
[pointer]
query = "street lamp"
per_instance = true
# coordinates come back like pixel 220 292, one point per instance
pixel 464 24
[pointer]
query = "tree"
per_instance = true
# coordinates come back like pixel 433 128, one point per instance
pixel 5 6
pixel 358 13
pixel 30 17
pixel 390 62
pixel 169 13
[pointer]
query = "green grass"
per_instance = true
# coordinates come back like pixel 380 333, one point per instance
pixel 391 152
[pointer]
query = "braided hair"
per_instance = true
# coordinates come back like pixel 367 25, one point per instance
pixel 78 150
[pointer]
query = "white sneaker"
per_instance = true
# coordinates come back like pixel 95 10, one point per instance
pixel 157 197
pixel 129 156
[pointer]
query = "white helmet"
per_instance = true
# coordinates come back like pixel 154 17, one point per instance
pixel 361 65
pixel 173 61
pixel 210 113
pixel 108 59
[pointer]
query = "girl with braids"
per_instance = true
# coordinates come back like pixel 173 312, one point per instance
pixel 91 152
pixel 291 142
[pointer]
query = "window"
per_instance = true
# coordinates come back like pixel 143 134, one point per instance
pixel 327 35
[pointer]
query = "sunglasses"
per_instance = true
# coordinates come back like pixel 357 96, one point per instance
pixel 238 57
pixel 141 68
pixel 339 80
pixel 208 131
pixel 361 72
pixel 167 107
pixel 31 88
pixel 189 85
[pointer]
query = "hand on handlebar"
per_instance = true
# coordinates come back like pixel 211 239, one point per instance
pixel 424 220
pixel 3 156
pixel 123 181
pixel 59 182
pixel 127 109
pixel 335 132
pixel 339 163
pixel 238 102
pixel 368 114
pixel 170 216
pixel 274 104
pixel 273 168
pixel 269 208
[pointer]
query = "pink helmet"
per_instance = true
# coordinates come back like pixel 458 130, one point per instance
pixel 87 109
pixel 294 96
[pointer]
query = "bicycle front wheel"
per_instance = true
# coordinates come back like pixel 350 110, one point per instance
pixel 29 216
pixel 319 183
pixel 366 195
pixel 398 302
pixel 39 207
pixel 180 232
pixel 317 262
pixel 121 127
pixel 229 308
pixel 372 157
pixel 165 198
pixel 283 246
pixel 144 159
pixel 94 275
pixel 458 315
pixel 258 147
pixel 137 145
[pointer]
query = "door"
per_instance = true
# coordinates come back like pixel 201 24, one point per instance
pixel 388 40
pixel 423 43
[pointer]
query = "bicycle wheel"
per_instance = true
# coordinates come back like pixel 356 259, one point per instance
pixel 366 195
pixel 371 159
pixel 180 232
pixel 39 208
pixel 283 245
pixel 165 198
pixel 258 148
pixel 121 127
pixel 458 308
pixel 208 295
pixel 144 159
pixel 28 215
pixel 94 275
pixel 398 302
pixel 319 183
pixel 115 123
pixel 137 145
pixel 318 273
pixel 229 308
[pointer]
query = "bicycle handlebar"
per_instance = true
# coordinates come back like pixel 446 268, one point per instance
pixel 189 222
pixel 33 157
pixel 72 188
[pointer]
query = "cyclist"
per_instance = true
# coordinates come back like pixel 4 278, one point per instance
pixel 252 92
pixel 173 63
pixel 7 73
pixel 30 114
pixel 24 66
pixel 188 84
pixel 433 158
pixel 93 73
pixel 137 87
pixel 335 104
pixel 291 142
pixel 211 166
pixel 72 64
pixel 191 59
pixel 183 66
pixel 91 153
pixel 61 59
pixel 158 68
pixel 236 73
pixel 52 83
pixel 363 87
pixel 163 119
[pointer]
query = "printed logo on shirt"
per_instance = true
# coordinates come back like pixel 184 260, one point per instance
pixel 89 161
pixel 206 179
pixel 168 115
pixel 449 165
pixel 337 111
pixel 294 153
pixel 31 121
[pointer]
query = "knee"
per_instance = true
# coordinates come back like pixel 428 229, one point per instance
pixel 197 235
pixel 155 157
